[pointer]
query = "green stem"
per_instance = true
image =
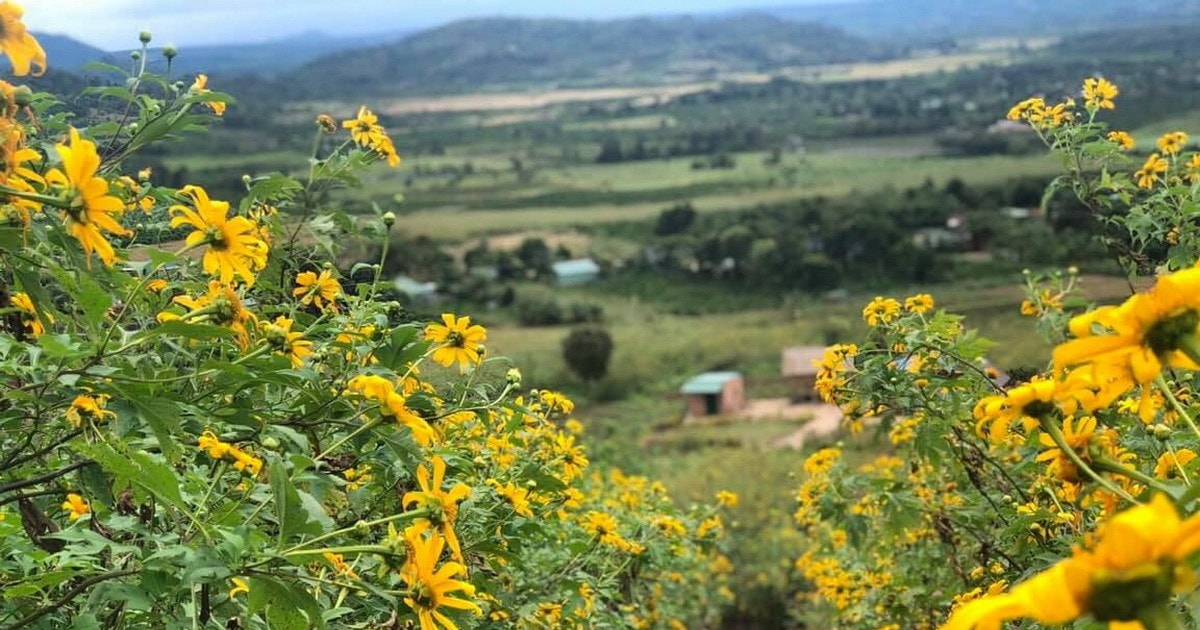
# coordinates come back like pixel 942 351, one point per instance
pixel 353 434
pixel 1161 383
pixel 1159 617
pixel 1055 434
pixel 376 549
pixel 1107 465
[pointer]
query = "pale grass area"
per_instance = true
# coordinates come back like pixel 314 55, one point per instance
pixel 831 175
pixel 897 68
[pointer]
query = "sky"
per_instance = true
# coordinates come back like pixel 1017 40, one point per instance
pixel 114 24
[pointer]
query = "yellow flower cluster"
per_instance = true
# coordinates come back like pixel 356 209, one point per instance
pixel 243 461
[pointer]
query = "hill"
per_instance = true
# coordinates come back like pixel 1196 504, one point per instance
pixel 936 19
pixel 69 54
pixel 476 53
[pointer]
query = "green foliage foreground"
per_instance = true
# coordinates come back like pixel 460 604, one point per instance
pixel 227 435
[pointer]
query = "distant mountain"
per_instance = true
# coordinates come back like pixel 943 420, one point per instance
pixel 477 53
pixel 937 19
pixel 268 58
pixel 67 54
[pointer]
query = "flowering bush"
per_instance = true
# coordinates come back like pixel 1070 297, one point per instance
pixel 1059 497
pixel 223 432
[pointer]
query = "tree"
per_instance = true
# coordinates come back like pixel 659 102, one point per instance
pixel 610 151
pixel 676 219
pixel 587 351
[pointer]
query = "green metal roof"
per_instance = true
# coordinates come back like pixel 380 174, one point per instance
pixel 708 383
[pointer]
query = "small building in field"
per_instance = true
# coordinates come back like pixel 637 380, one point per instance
pixel 416 290
pixel 714 394
pixel 571 273
pixel 798 366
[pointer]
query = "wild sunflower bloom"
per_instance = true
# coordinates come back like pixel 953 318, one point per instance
pixel 91 209
pixel 200 86
pixel 320 290
pixel 1151 170
pixel 430 586
pixel 233 244
pixel 515 496
pixel 1136 339
pixel 76 506
pixel 1078 434
pixel 880 311
pixel 394 404
pixel 1122 138
pixel 221 306
pixel 23 49
pixel 1172 143
pixel 29 314
pixel 1025 404
pixel 1170 463
pixel 88 409
pixel 1127 576
pixel 920 303
pixel 458 341
pixel 290 344
pixel 728 499
pixel 239 586
pixel 1099 93
pixel 209 443
pixel 1026 108
pixel 1193 167
pixel 366 132
pixel 442 505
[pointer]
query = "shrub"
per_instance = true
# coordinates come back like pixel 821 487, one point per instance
pixel 587 351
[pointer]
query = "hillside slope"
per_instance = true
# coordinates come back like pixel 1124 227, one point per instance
pixel 477 53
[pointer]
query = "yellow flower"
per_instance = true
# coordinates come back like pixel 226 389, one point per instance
pixel 1026 108
pixel 881 311
pixel 356 477
pixel 220 306
pixel 1172 143
pixel 822 461
pixel 233 245
pixel 1127 346
pixel 1193 167
pixel 394 404
pixel 211 444
pixel 1170 463
pixel 920 303
pixel 1077 433
pixel 29 314
pixel 77 506
pixel 1154 166
pixel 92 208
pixel 200 86
pixel 239 586
pixel 21 47
pixel 442 505
pixel 290 344
pixel 85 408
pixel 516 496
pixel 1132 569
pixel 1099 93
pixel 727 499
pixel 995 415
pixel 366 132
pixel 429 586
pixel 340 566
pixel 318 290
pixel 1122 138
pixel 458 341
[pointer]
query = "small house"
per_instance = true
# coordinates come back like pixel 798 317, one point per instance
pixel 798 366
pixel 714 394
pixel 572 273
pixel 416 290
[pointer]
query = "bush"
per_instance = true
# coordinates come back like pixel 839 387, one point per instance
pixel 587 351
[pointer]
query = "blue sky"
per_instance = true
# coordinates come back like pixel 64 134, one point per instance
pixel 114 24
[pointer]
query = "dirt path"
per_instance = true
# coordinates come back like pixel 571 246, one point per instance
pixel 826 421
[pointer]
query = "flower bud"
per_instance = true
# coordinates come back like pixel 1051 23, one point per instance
pixel 270 442
pixel 170 51
pixel 389 218
pixel 245 179
pixel 1161 431
pixel 144 37
pixel 326 123
pixel 513 377
pixel 23 96
pixel 135 55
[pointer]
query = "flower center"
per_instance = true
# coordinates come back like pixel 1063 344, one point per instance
pixel 1122 596
pixel 1166 335
pixel 456 339
pixel 216 238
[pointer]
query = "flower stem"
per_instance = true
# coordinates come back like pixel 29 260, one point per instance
pixel 1055 434
pixel 1161 383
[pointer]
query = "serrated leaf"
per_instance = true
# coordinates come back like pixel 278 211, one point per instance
pixel 286 607
pixel 138 468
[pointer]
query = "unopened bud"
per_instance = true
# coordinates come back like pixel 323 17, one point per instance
pixel 1161 431
pixel 326 123
pixel 245 179
pixel 135 55
pixel 144 37
pixel 389 218
pixel 169 51
pixel 23 96
pixel 327 265
pixel 270 442
pixel 133 127
pixel 513 377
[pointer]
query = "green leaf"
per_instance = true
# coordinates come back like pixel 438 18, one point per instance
pixel 400 348
pixel 186 330
pixel 93 298
pixel 163 418
pixel 138 468
pixel 291 513
pixel 287 607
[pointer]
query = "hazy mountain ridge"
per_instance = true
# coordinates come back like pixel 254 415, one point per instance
pixel 938 19
pixel 480 52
